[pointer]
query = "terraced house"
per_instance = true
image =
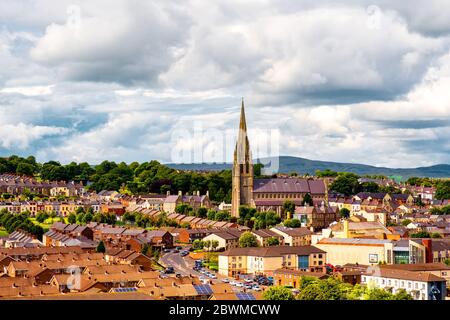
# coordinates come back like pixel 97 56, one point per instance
pixel 265 260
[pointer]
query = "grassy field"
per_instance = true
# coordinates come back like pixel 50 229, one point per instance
pixel 47 223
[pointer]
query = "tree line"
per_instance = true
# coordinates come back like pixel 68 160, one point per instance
pixel 154 177
pixel 311 288
pixel 13 222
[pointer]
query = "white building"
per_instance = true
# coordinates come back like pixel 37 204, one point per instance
pixel 224 206
pixel 420 285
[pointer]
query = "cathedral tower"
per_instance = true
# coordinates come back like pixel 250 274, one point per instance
pixel 242 172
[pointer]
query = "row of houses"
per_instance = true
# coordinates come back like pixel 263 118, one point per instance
pixel 17 185
pixel 59 273
pixel 159 202
pixel 62 208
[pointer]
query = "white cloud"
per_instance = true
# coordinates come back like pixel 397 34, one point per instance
pixel 22 135
pixel 29 91
pixel 117 82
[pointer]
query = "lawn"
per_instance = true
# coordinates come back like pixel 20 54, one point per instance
pixel 211 261
pixel 48 222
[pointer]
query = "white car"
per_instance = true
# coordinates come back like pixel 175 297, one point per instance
pixel 239 284
pixel 226 280
pixel 212 276
pixel 232 282
pixel 256 288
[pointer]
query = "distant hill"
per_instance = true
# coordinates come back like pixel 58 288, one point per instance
pixel 301 166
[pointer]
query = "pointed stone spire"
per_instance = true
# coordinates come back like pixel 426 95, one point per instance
pixel 242 172
pixel 242 153
pixel 243 123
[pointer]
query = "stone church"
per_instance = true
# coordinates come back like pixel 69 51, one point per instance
pixel 266 194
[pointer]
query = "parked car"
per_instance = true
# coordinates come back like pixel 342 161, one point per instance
pixel 226 280
pixel 184 253
pixel 248 286
pixel 233 283
pixel 166 250
pixel 239 284
pixel 179 247
pixel 169 270
pixel 256 287
pixel 212 276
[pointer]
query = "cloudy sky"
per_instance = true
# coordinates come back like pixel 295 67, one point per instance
pixel 348 81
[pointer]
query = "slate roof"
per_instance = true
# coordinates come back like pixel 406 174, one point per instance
pixel 289 185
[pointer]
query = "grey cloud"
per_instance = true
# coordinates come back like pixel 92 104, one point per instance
pixel 415 124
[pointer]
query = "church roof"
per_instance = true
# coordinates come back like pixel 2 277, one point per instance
pixel 289 185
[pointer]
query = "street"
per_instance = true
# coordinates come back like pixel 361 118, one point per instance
pixel 184 265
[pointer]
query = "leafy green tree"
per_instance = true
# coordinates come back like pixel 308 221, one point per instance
pixel 145 249
pixel 87 217
pixel 257 169
pixel 326 173
pixel 202 212
pixel 346 183
pixel 222 216
pixel 436 235
pixel 7 196
pixel 278 293
pixel 183 209
pixel 211 214
pixel 370 187
pixel 443 190
pixel 406 222
pixel 26 169
pixel 198 244
pixel 292 223
pixel 288 207
pixel 207 244
pixel 101 247
pixel 273 241
pixel 402 295
pixel 247 239
pixel 345 213
pixel 420 234
pixel 42 216
pixel 377 294
pixel 307 199
pixel 328 289
pixel 80 217
pixel 214 244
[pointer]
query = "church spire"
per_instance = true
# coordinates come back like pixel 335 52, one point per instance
pixel 242 171
pixel 242 123
pixel 242 151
